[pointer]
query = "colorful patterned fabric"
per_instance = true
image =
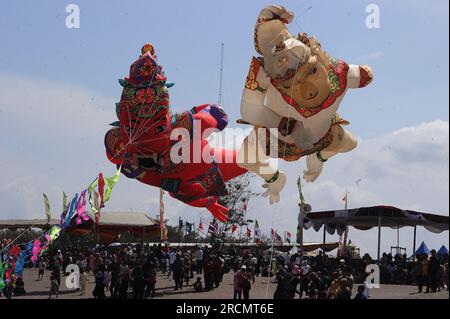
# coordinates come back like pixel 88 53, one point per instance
pixel 337 75
pixel 290 152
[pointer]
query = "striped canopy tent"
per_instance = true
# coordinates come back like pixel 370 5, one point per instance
pixel 365 218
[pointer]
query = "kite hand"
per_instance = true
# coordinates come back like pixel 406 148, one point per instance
pixel 314 168
pixel 275 187
pixel 219 212
pixel 273 12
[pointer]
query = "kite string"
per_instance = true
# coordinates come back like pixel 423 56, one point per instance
pixel 20 235
pixel 147 88
pixel 284 154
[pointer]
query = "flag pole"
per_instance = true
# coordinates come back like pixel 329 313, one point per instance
pixel 270 268
pixel 300 219
pixel 346 227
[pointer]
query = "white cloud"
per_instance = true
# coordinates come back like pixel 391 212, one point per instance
pixel 52 140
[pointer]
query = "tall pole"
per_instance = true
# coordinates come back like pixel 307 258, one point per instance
pixel 222 47
pixel 414 243
pixel 301 216
pixel 379 236
pixel 324 235
pixel 346 227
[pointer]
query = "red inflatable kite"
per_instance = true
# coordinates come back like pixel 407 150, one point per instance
pixel 141 143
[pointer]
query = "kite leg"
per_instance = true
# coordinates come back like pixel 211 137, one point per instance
pixel 343 142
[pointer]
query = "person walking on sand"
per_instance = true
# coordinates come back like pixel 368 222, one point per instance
pixel 83 282
pixel 42 266
pixel 55 281
pixel 237 293
pixel 245 282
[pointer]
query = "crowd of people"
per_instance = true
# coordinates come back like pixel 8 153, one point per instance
pixel 131 271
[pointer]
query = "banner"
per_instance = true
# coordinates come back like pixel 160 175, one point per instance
pixel 288 236
pixel 213 227
pixel 189 227
pixel 72 209
pixel 47 209
pixel 81 208
pixel 110 182
pixel 64 201
pixel 257 231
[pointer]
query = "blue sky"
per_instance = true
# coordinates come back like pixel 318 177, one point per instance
pixel 55 140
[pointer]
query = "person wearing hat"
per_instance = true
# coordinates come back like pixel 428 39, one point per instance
pixel 245 281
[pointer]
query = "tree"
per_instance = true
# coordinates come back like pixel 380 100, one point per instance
pixel 239 195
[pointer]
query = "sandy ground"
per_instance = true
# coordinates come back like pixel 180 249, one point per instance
pixel 262 289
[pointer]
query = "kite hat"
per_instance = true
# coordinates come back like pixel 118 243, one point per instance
pixel 146 68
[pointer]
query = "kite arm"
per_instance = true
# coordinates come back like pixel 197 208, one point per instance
pixel 271 27
pixel 212 116
pixel 207 117
pixel 253 109
pixel 359 76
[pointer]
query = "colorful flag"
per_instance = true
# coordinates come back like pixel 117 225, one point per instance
pixel 275 237
pixel 245 206
pixel 47 209
pixel 257 231
pixel 249 232
pixel 95 206
pixel 278 239
pixel 272 233
pixel 53 233
pixel 110 182
pixel 180 223
pixel 81 208
pixel 63 217
pixel 3 268
pixel 233 228
pixel 36 250
pixel 72 209
pixel 64 201
pixel 101 189
pixel 288 236
pixel 213 227
pixel 20 264
pixel 189 227
pixel 345 199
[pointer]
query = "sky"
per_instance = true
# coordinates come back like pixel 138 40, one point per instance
pixel 58 87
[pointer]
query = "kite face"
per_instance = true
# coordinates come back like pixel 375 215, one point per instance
pixel 144 108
